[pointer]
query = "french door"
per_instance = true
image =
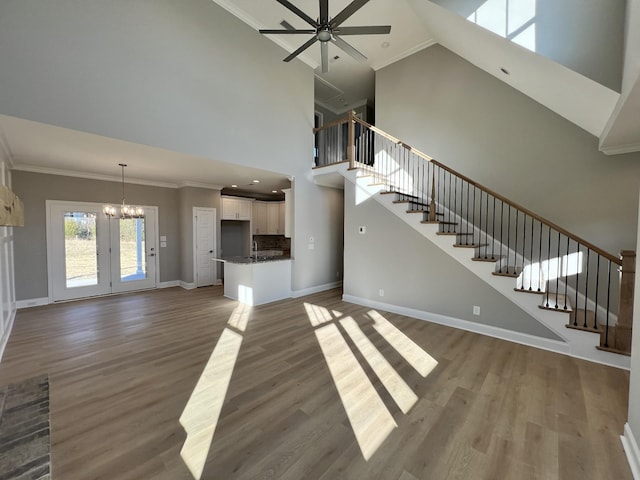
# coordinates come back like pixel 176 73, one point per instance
pixel 91 254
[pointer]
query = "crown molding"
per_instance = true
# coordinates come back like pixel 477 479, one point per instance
pixel 406 53
pixel 620 149
pixel 199 185
pixel 359 103
pixel 91 176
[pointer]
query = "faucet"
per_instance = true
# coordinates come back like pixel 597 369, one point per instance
pixel 255 249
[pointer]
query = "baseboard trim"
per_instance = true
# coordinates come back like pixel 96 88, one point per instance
pixel 170 284
pixel 311 290
pixel 7 333
pixel 488 330
pixel 32 302
pixel 187 285
pixel 631 449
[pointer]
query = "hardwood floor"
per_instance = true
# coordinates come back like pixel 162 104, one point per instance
pixel 122 372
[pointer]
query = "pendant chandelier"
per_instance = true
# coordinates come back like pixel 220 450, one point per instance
pixel 126 211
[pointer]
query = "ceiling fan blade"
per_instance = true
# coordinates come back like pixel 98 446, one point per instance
pixel 286 32
pixel 348 48
pixel 349 10
pixel 301 49
pixel 287 25
pixel 377 30
pixel 324 50
pixel 324 11
pixel 298 12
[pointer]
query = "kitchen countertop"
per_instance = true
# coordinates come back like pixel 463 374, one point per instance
pixel 253 260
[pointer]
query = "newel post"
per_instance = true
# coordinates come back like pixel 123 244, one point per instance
pixel 625 310
pixel 351 140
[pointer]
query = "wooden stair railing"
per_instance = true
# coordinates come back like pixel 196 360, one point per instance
pixel 591 286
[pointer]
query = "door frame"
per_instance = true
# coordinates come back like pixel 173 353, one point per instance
pixel 216 280
pixel 49 204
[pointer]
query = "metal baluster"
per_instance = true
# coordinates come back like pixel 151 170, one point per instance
pixel 575 313
pixel 515 247
pixel 548 264
pixel 595 316
pixel 606 333
pixel 466 237
pixel 455 203
pixel 586 285
pixel 530 258
pixel 449 203
pixel 566 276
pixel 540 259
pixel 493 230
pixel 557 272
pixel 473 218
pixel 508 238
pixel 501 229
pixel 486 230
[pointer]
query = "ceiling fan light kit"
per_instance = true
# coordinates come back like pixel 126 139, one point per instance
pixel 327 29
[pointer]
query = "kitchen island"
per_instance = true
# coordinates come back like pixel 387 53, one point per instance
pixel 258 279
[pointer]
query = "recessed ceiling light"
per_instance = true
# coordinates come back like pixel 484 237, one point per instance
pixel 256 181
pixel 385 44
pixel 274 191
pixel 505 71
pixel 234 186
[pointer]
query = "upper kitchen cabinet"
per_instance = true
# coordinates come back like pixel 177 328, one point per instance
pixel 259 218
pixel 234 208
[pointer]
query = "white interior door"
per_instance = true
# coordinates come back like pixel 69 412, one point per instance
pixel 90 254
pixel 204 228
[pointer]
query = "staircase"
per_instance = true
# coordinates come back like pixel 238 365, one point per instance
pixel 577 290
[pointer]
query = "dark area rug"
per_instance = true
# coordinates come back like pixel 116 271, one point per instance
pixel 24 430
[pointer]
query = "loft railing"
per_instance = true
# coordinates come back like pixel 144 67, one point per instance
pixel 570 273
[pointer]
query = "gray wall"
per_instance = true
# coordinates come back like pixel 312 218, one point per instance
pixel 416 274
pixel 31 240
pixel 190 197
pixel 185 76
pixel 465 118
pixel 587 37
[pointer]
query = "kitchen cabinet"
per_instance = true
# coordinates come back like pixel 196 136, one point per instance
pixel 259 218
pixel 273 218
pixel 282 213
pixel 234 208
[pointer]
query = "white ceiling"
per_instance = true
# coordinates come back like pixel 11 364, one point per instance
pixel 415 24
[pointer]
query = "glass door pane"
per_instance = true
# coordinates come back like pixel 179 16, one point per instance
pixel 81 249
pixel 77 250
pixel 133 264
pixel 133 252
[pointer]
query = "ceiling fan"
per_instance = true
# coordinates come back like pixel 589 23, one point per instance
pixel 327 29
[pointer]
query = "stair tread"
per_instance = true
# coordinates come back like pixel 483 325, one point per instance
pixel 495 258
pixel 510 273
pixel 423 210
pixel 613 350
pixel 454 233
pixel 550 301
pixel 440 222
pixel 579 324
pixel 470 245
pixel 526 290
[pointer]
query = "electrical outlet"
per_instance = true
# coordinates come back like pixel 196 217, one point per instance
pixel 381 292
pixel 476 310
pixel 362 230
